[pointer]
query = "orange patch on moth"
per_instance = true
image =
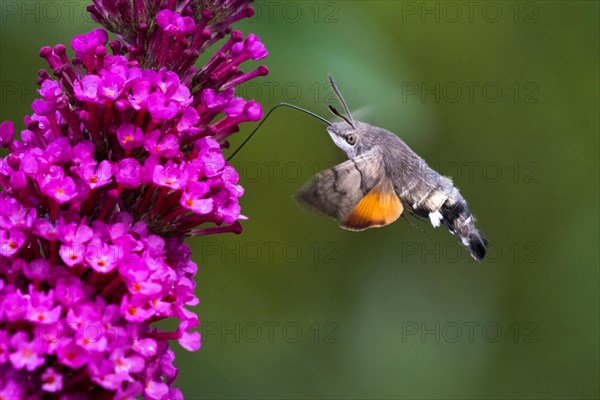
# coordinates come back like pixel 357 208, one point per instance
pixel 379 207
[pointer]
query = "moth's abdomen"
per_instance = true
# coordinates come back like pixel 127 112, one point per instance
pixel 434 196
pixel 458 219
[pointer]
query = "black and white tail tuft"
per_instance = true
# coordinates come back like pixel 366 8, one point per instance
pixel 458 219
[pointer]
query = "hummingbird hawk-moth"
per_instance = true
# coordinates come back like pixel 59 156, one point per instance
pixel 382 178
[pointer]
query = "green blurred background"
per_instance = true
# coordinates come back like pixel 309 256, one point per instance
pixel 501 96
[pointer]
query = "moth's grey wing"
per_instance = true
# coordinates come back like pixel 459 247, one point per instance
pixel 336 191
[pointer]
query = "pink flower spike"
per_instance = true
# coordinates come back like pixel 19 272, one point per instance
pixel 120 160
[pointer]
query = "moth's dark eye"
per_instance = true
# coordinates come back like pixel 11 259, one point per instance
pixel 351 139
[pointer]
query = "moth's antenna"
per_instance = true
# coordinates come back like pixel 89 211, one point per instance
pixel 337 113
pixel 267 116
pixel 341 99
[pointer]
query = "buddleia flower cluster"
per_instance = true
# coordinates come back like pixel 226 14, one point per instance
pixel 120 161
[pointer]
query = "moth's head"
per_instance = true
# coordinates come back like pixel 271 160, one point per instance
pixel 354 139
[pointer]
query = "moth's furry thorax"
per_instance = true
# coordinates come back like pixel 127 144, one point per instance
pixel 367 137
